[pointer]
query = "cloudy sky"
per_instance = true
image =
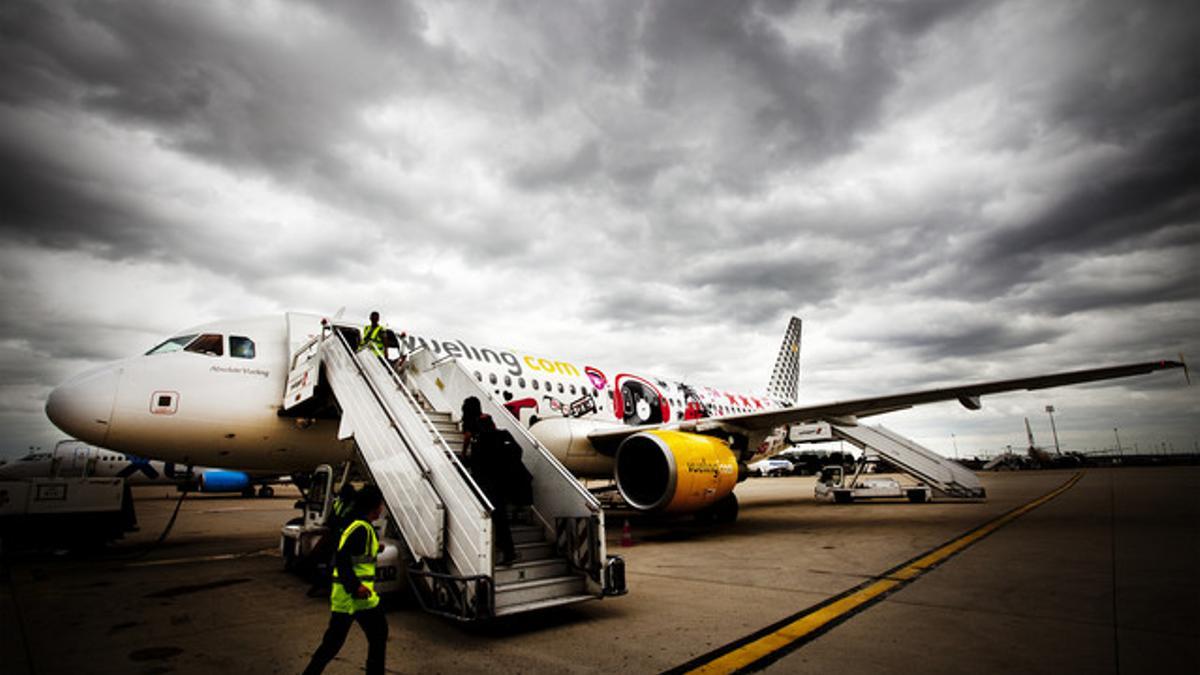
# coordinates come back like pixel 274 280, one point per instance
pixel 945 191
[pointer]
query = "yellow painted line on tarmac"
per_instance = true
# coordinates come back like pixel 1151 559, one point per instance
pixel 203 558
pixel 762 648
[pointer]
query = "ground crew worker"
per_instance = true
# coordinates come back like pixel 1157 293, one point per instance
pixel 326 547
pixel 373 335
pixel 353 597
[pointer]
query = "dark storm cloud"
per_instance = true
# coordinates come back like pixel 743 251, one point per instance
pixel 224 93
pixel 979 336
pixel 1178 281
pixel 232 96
pixel 549 172
pixel 1118 208
pixel 803 102
pixel 50 201
pixel 804 281
pixel 1126 85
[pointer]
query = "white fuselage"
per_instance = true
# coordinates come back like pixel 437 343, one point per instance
pixel 74 458
pixel 196 406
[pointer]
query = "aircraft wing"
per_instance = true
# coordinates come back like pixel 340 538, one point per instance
pixel 606 440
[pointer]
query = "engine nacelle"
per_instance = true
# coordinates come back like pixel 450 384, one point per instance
pixel 223 481
pixel 674 471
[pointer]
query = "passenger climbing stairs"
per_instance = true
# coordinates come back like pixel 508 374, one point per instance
pixel 406 428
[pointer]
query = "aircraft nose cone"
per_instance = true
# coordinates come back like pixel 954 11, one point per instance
pixel 82 407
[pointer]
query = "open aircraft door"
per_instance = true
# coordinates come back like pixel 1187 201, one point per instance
pixel 304 370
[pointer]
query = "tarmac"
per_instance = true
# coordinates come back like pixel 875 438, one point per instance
pixel 1100 576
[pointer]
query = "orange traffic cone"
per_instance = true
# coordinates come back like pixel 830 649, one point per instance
pixel 626 535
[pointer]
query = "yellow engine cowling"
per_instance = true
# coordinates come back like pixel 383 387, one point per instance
pixel 674 471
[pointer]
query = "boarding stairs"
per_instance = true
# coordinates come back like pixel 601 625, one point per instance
pixel 947 477
pixel 406 429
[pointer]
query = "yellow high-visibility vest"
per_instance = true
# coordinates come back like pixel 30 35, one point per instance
pixel 372 337
pixel 340 600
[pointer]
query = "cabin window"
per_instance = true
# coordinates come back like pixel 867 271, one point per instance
pixel 492 378
pixel 549 387
pixel 479 376
pixel 241 347
pixel 572 390
pixel 521 382
pixel 172 345
pixel 560 388
pixel 535 385
pixel 208 343
pixel 508 380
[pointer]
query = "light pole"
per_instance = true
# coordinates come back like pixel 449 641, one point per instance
pixel 1050 411
pixel 1119 451
pixel 955 440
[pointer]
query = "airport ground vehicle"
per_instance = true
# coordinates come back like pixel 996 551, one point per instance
pixel 832 485
pixel 773 466
pixel 64 512
pixel 300 537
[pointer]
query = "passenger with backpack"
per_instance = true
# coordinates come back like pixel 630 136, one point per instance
pixel 491 454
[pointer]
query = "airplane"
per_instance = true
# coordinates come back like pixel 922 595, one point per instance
pixel 213 395
pixel 71 458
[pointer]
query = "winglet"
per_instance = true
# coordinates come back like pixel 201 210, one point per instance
pixel 1186 375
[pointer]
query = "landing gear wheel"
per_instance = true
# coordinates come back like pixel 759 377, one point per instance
pixel 248 491
pixel 725 511
pixel 266 491
pixel 722 513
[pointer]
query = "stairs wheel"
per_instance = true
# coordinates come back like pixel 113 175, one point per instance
pixel 725 511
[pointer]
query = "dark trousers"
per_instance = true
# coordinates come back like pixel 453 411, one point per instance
pixel 373 623
pixel 504 540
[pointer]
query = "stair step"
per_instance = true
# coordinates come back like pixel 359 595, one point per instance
pixel 454 437
pixel 524 592
pixel 528 570
pixel 527 534
pixel 535 550
pixel 542 604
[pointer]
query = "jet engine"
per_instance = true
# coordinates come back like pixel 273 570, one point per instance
pixel 674 471
pixel 224 481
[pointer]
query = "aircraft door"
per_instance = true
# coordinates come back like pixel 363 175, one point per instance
pixel 82 460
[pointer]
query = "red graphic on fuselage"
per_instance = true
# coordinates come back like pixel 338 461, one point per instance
pixel 637 401
pixel 597 378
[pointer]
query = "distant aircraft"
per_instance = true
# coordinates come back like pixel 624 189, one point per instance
pixel 213 395
pixel 72 458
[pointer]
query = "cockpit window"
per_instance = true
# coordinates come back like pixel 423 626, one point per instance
pixel 172 345
pixel 241 347
pixel 209 343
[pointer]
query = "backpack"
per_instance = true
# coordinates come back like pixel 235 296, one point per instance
pixel 497 456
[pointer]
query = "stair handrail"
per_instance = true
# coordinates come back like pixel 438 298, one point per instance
pixel 465 502
pixel 520 429
pixel 437 436
pixel 416 456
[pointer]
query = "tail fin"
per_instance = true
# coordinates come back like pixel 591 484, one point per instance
pixel 785 379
